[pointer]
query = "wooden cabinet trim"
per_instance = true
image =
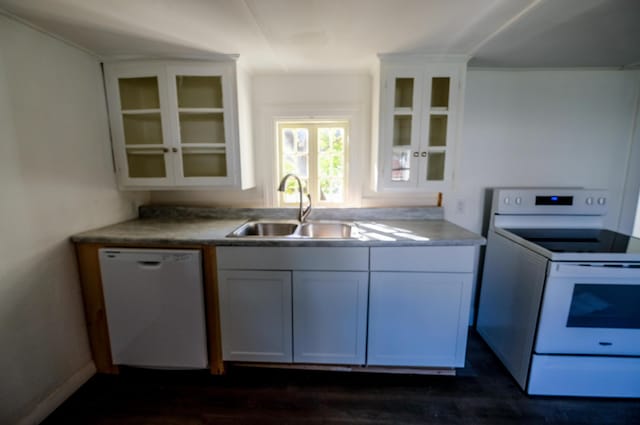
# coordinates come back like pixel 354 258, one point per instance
pixel 209 264
pixel 94 309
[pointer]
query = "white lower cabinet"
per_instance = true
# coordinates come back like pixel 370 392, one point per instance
pixel 255 315
pixel 328 304
pixel 418 319
pixel 379 306
pixel 330 317
pixel 419 302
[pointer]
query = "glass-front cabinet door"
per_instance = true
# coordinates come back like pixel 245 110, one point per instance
pixel 201 124
pixel 405 127
pixel 436 130
pixel 417 124
pixel 140 126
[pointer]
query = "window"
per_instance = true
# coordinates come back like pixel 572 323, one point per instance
pixel 315 152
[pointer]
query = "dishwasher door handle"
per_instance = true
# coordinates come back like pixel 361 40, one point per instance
pixel 150 265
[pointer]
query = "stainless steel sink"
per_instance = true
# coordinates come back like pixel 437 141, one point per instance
pixel 293 230
pixel 264 229
pixel 326 230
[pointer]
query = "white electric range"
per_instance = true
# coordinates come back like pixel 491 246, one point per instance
pixel 560 295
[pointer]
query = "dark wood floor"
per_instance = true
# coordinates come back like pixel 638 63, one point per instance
pixel 482 393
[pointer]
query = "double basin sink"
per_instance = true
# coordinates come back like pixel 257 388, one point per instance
pixel 305 230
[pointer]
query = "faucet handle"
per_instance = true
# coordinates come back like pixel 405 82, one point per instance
pixel 307 210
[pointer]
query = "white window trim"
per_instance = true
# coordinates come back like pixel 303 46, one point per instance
pixel 357 148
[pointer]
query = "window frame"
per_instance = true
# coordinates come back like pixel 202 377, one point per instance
pixel 313 125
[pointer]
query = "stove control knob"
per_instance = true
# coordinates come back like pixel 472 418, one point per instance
pixel 507 201
pixel 602 201
pixel 589 200
pixel 518 200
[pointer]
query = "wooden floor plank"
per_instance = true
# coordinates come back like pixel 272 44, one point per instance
pixel 482 393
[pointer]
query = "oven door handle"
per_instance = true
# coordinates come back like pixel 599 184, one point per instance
pixel 595 270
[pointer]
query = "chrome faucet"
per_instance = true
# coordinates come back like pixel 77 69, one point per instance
pixel 302 214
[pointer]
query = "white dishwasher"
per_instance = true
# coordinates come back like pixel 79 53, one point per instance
pixel 155 307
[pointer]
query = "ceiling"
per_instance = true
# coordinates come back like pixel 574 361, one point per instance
pixel 341 35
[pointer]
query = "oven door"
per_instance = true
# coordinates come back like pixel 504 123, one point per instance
pixel 590 309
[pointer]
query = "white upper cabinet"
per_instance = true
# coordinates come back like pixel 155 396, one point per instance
pixel 178 125
pixel 420 106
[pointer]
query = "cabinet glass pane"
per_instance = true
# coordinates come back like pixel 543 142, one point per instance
pixel 435 166
pixel 199 92
pixel 438 130
pixel 440 92
pixel 401 130
pixel 404 93
pixel 202 163
pixel 139 93
pixel 146 164
pixel 142 129
pixel 400 165
pixel 201 128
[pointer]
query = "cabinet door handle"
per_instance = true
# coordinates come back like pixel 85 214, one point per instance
pixel 165 150
pixel 423 154
pixel 174 150
pixel 415 154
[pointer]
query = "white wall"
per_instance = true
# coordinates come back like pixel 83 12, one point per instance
pixel 56 179
pixel 543 128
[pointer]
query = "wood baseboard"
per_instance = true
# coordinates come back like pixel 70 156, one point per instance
pixel 59 395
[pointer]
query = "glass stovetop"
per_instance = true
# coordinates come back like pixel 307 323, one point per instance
pixel 580 240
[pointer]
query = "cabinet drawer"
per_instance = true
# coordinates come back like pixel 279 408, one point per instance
pixel 424 259
pixel 293 258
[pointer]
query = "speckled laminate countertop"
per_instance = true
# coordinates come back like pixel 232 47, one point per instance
pixel 377 227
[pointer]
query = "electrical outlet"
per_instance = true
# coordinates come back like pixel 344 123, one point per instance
pixel 460 206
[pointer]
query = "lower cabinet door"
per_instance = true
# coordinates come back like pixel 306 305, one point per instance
pixel 330 317
pixel 255 315
pixel 418 319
